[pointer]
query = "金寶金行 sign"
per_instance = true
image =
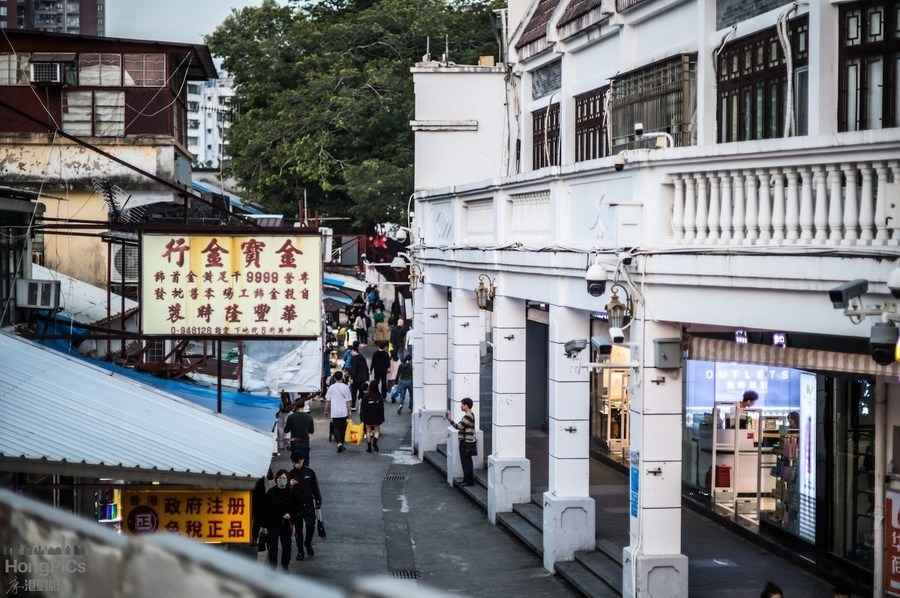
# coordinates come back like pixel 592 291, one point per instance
pixel 231 285
pixel 208 516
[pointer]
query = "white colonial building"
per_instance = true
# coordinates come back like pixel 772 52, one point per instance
pixel 775 182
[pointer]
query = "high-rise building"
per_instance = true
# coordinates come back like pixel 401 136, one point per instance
pixel 85 17
pixel 209 116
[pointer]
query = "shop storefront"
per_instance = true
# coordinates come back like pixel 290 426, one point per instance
pixel 782 442
pixel 609 396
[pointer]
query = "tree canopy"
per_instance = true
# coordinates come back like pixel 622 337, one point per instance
pixel 324 97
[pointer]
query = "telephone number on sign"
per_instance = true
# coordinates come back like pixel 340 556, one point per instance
pixel 195 330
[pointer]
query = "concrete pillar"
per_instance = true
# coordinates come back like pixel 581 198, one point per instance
pixel 430 419
pixel 465 324
pixel 707 95
pixel 509 472
pixel 823 60
pixel 653 562
pixel 569 514
pixel 417 336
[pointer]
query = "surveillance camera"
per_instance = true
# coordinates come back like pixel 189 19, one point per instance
pixel 596 279
pixel 575 347
pixel 638 130
pixel 617 335
pixel 619 162
pixel 841 295
pixel 883 342
pixel 602 346
pixel 893 282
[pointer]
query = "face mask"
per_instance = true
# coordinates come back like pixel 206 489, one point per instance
pixel 282 483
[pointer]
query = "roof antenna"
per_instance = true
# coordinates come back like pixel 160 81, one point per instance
pixel 427 57
pixel 446 57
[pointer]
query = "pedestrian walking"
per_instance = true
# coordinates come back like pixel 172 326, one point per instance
pixel 258 511
pixel 382 330
pixel 392 371
pixel 359 372
pixel 359 326
pixel 307 498
pixel 381 364
pixel 398 338
pixel 467 441
pixel 279 507
pixel 395 306
pixel 337 401
pixel 299 426
pixel 372 415
pixel 326 366
pixel 404 383
pixel 283 412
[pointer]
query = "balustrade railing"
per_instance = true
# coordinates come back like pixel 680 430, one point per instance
pixel 833 204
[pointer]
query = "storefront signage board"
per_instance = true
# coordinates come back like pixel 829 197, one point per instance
pixel 244 285
pixel 892 542
pixel 218 517
pixel 635 481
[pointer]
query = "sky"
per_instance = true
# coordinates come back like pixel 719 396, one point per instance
pixel 168 20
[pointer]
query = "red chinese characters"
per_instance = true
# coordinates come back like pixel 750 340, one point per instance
pixel 176 246
pixel 213 253
pixel 287 252
pixel 252 250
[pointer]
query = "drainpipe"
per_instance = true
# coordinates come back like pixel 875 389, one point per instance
pixel 881 438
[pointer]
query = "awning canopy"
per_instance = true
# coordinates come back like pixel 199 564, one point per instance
pixel 708 349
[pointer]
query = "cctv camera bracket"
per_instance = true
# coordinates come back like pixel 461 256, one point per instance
pixel 886 311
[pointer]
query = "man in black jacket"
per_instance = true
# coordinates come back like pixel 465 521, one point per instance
pixel 359 371
pixel 299 425
pixel 381 363
pixel 398 338
pixel 306 499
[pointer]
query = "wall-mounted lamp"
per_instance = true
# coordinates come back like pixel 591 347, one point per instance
pixel 416 276
pixel 485 292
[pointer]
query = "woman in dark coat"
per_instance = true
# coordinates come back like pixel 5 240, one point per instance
pixel 372 415
pixel 279 507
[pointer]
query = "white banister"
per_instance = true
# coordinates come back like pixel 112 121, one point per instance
pixel 851 208
pixel 835 205
pixel 792 206
pixel 702 214
pixel 866 206
pixel 895 169
pixel 806 206
pixel 678 210
pixel 765 207
pixel 725 217
pixel 714 209
pixel 738 210
pixel 751 217
pixel 778 215
pixel 820 212
pixel 690 209
pixel 881 232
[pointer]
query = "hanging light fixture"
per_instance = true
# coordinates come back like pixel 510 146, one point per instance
pixel 484 293
pixel 619 313
pixel 416 277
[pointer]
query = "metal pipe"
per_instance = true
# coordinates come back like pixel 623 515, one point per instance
pixel 219 377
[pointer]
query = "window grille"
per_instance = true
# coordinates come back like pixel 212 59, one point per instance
pixel 869 57
pixel 622 5
pixel 100 70
pixel 545 137
pixel 752 84
pixel 590 132
pixel 13 73
pixel 94 113
pixel 662 96
pixel 145 70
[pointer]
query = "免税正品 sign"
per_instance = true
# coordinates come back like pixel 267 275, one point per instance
pixel 217 516
pixel 256 285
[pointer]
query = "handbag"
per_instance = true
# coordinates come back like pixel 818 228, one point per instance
pixel 468 449
pixel 320 525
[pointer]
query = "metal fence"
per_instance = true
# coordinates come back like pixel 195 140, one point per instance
pixel 626 4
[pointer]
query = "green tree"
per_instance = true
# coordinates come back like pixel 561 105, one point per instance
pixel 325 96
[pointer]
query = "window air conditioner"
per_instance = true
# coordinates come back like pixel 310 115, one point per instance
pixel 37 294
pixel 46 72
pixel 125 264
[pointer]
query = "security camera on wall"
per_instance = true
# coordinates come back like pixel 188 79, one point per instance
pixel 893 282
pixel 595 277
pixel 617 335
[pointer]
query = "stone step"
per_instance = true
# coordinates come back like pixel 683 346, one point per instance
pixel 584 580
pixel 532 513
pixel 477 493
pixel 442 449
pixel 523 530
pixel 601 565
pixel 611 549
pixel 438 460
pixel 481 477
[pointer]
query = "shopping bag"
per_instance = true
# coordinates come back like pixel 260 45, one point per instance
pixel 320 525
pixel 354 433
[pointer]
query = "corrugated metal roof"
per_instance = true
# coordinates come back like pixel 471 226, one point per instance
pixel 57 408
pixel 575 9
pixel 537 26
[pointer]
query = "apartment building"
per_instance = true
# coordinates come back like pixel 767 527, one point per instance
pixel 87 17
pixel 209 118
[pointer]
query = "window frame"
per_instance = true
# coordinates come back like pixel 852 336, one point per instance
pixel 100 57
pixel 163 79
pixel 539 158
pixel 590 129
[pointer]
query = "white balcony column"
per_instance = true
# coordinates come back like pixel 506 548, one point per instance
pixel 738 210
pixel 431 422
pixel 765 207
pixel 725 217
pixel 715 203
pixel 820 212
pixel 569 512
pixel 418 361
pixel 835 205
pixel 654 558
pixel 866 205
pixel 881 231
pixel 851 205
pixel 806 205
pixel 751 217
pixel 465 322
pixel 792 206
pixel 678 209
pixel 895 235
pixel 690 209
pixel 778 207
pixel 823 36
pixel 702 209
pixel 509 472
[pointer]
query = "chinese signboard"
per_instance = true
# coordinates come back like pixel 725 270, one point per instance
pixel 892 543
pixel 231 285
pixel 208 516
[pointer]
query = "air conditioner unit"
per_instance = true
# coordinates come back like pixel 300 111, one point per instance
pixel 125 264
pixel 46 72
pixel 37 294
